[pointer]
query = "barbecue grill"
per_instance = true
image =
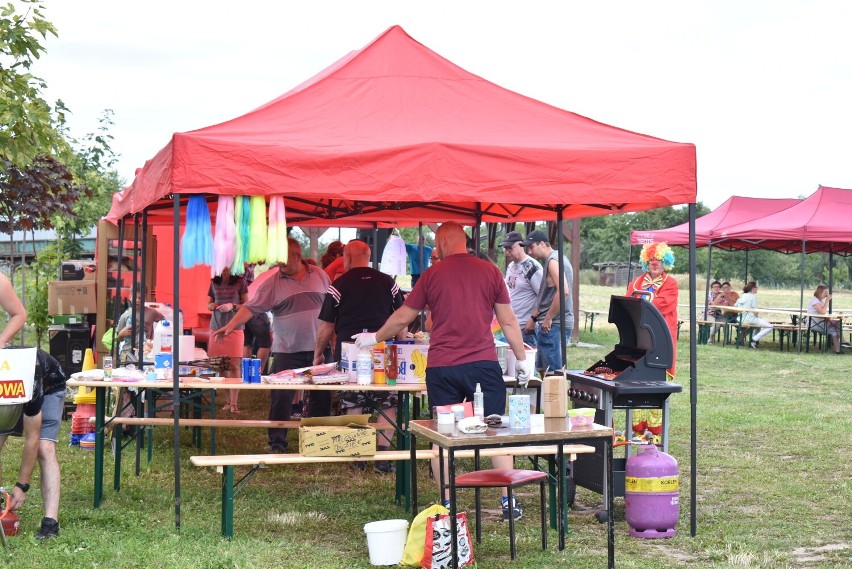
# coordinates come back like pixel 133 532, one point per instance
pixel 632 376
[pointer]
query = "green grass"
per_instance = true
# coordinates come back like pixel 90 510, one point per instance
pixel 773 486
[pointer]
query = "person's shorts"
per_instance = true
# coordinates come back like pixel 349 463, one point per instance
pixel 51 418
pixel 453 384
pixel 258 329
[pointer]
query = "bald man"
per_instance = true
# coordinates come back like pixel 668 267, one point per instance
pixel 361 299
pixel 463 293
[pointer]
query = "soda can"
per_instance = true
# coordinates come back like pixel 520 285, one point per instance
pixel 246 370
pixel 255 370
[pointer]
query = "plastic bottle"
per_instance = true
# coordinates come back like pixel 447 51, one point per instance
pixel 163 338
pixel 365 365
pixel 379 364
pixel 479 403
pixel 107 368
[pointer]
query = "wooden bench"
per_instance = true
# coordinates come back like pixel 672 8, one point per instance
pixel 225 464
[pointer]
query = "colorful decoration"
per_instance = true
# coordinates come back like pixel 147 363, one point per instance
pixel 196 246
pixel 224 238
pixel 276 242
pixel 257 228
pixel 242 215
pixel 660 251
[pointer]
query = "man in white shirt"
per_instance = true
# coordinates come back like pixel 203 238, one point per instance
pixel 523 278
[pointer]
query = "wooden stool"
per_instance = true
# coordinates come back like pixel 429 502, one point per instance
pixel 509 479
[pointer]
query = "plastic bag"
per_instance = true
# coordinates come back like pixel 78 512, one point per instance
pixel 416 541
pixel 437 552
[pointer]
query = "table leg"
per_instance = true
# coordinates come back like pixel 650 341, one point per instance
pixel 413 474
pixel 561 498
pixel 609 506
pixel 228 502
pixel 454 529
pixel 100 405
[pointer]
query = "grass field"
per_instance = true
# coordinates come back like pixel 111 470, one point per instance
pixel 774 485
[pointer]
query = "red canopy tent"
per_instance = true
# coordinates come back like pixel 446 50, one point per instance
pixel 820 223
pixel 709 227
pixel 396 134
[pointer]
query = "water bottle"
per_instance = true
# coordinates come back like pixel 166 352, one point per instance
pixel 365 365
pixel 107 368
pixel 479 403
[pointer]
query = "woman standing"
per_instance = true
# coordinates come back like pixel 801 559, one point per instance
pixel 226 295
pixel 819 305
pixel 749 300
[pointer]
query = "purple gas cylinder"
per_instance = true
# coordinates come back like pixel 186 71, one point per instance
pixel 652 493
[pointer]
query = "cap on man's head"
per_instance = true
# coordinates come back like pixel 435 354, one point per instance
pixel 511 238
pixel 535 237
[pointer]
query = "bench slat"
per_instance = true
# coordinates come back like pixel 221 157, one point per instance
pixel 261 423
pixel 421 454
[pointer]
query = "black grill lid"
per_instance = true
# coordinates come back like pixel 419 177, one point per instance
pixel 643 333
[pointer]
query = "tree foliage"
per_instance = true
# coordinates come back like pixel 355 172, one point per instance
pixel 27 121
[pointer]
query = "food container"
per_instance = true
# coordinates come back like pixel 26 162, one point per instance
pixel 581 417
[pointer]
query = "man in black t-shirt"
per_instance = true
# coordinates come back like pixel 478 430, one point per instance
pixel 362 299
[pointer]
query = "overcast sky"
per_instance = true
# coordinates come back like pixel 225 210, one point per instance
pixel 761 87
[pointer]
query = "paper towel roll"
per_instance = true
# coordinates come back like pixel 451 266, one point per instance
pixel 187 348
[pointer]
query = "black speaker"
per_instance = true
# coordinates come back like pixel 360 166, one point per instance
pixel 68 345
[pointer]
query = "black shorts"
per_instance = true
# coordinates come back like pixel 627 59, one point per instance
pixel 258 329
pixel 454 384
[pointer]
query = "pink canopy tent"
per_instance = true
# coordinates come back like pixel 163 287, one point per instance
pixel 709 228
pixel 820 223
pixel 396 134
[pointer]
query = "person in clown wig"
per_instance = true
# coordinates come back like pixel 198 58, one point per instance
pixel 660 289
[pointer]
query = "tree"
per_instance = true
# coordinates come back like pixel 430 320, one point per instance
pixel 27 121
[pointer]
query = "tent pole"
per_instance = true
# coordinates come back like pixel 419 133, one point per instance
pixel 802 296
pixel 707 284
pixel 745 277
pixel 629 264
pixel 137 342
pixel 421 242
pixel 831 279
pixel 376 246
pixel 176 356
pixel 561 259
pixel 693 378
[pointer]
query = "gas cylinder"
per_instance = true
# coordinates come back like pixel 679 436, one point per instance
pixel 652 493
pixel 10 522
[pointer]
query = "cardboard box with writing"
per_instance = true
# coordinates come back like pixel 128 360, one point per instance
pixel 71 297
pixel 345 435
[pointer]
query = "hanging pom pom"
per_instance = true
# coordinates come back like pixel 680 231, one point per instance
pixel 276 245
pixel 223 240
pixel 197 244
pixel 241 218
pixel 257 228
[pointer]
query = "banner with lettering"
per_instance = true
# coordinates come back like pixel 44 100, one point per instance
pixel 17 370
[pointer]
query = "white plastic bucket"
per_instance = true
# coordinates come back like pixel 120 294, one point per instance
pixel 510 359
pixel 386 541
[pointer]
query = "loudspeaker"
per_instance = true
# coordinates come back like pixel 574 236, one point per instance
pixel 68 345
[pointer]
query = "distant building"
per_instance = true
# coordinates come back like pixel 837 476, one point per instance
pixel 27 243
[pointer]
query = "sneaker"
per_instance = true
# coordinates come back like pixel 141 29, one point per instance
pixel 845 345
pixel 276 449
pixel 358 466
pixel 384 467
pixel 753 345
pixel 296 412
pixel 516 511
pixel 49 528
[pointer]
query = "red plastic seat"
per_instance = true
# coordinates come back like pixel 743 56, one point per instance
pixel 509 479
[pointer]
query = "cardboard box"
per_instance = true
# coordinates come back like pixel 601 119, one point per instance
pixel 344 435
pixel 349 360
pixel 411 359
pixel 554 397
pixel 72 297
pixel 77 270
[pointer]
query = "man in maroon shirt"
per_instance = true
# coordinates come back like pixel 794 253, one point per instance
pixel 463 294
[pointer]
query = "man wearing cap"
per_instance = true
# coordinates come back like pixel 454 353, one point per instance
pixel 523 278
pixel 553 296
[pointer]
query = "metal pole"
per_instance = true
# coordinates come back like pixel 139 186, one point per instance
pixel 559 288
pixel 802 297
pixel 116 306
pixel 707 284
pixel 693 380
pixel 176 355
